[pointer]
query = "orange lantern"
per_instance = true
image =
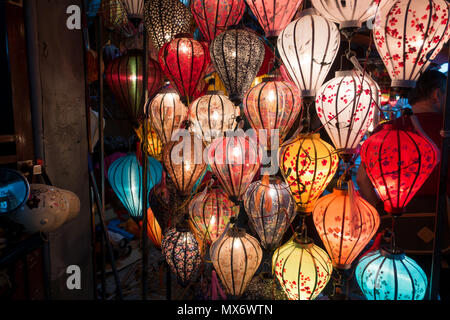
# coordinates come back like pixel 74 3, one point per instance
pixel 153 146
pixel 153 229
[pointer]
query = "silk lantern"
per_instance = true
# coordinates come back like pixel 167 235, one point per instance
pixel 135 10
pixel 308 164
pixel 388 274
pixel 153 145
pixel 214 16
pixel 125 176
pixel 270 209
pixel 398 160
pixel 237 56
pixel 114 16
pixel 308 47
pixel 408 35
pixel 153 229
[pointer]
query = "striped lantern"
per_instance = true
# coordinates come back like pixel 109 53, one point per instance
pixel 114 15
pixel 153 145
pixel 135 9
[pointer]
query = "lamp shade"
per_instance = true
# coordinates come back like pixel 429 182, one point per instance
pixel 308 47
pixel 408 34
pixel 153 229
pixel 302 268
pixel 214 16
pixel 270 209
pixel 134 8
pixel 387 275
pixel 125 177
pixel 308 164
pixel 274 16
pixel 237 56
pixel 398 160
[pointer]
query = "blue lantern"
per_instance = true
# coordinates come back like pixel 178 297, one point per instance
pixel 125 177
pixel 390 275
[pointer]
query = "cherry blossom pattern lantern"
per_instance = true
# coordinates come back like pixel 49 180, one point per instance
pixel 308 164
pixel 274 16
pixel 302 268
pixel 308 47
pixel 398 160
pixel 237 56
pixel 408 35
pixel 270 209
pixel 214 16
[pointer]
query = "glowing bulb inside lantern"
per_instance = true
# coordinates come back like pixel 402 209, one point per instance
pixel 133 77
pixel 271 96
pixel 212 222
pixel 187 165
pixel 233 54
pixel 184 48
pixel 237 244
pixel 272 193
pixel 215 116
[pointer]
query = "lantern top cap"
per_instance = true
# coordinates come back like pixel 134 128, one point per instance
pixel 392 253
pixel 214 92
pixel 345 73
pixel 236 232
pixel 340 191
pixel 183 35
pixel 308 12
pixel 303 242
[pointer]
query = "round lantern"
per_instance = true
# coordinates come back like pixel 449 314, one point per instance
pixel 308 47
pixel 214 16
pixel 302 268
pixel 345 223
pixel 182 253
pixel 272 105
pixel 398 160
pixel 274 16
pixel 236 256
pixel 308 164
pixel 237 56
pixel 270 209
pixel 409 34
pixel 153 145
pixel 212 115
pixel 114 16
pixel 183 61
pixel 125 177
pixel 166 18
pixel 390 275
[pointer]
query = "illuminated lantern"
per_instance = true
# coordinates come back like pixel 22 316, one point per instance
pixel 214 16
pixel 236 257
pixel 408 35
pixel 167 113
pixel 153 145
pixel 274 16
pixel 212 115
pixel 308 164
pixel 166 18
pixel 308 47
pixel 398 160
pixel 135 9
pixel 153 229
pixel 210 213
pixel 125 177
pixel 272 105
pixel 114 15
pixel 270 209
pixel 302 268
pixel 184 61
pixel 390 275
pixel 182 253
pixel 237 56
pixel 215 84
pixel 124 77
pixel 345 223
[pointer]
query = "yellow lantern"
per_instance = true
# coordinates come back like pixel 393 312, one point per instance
pixel 153 145
pixel 214 83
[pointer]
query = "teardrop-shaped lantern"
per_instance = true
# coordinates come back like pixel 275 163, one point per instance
pixel 390 275
pixel 237 56
pixel 236 257
pixel 308 47
pixel 345 223
pixel 409 34
pixel 398 160
pixel 270 209
pixel 125 177
pixel 274 16
pixel 214 16
pixel 302 268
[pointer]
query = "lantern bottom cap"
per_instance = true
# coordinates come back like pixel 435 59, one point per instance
pixel 403 83
pixel 342 266
pixel 354 24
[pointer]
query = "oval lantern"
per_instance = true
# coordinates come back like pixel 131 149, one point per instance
pixel 153 146
pixel 408 34
pixel 237 56
pixel 153 229
pixel 388 274
pixel 125 177
pixel 308 47
pixel 308 164
pixel 270 209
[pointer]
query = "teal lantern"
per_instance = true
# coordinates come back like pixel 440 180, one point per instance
pixel 125 177
pixel 388 274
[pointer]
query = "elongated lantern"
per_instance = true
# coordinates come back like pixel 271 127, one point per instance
pixel 409 34
pixel 125 177
pixel 272 15
pixel 308 164
pixel 153 229
pixel 270 209
pixel 398 160
pixel 237 56
pixel 215 16
pixel 308 47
